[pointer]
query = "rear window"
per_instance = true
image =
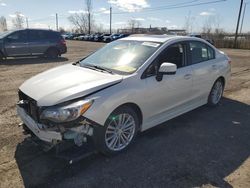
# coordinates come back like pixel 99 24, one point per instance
pixel 38 35
pixel 200 52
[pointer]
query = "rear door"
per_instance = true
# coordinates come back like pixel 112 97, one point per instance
pixel 16 44
pixel 38 41
pixel 205 68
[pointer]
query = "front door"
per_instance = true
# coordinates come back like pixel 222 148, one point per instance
pixel 173 93
pixel 16 44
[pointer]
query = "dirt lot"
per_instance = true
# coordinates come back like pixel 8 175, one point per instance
pixel 203 148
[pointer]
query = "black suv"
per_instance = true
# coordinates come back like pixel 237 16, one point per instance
pixel 32 42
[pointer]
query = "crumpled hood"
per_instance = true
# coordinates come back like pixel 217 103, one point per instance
pixel 66 82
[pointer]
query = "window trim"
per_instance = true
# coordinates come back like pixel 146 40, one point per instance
pixel 185 63
pixel 189 63
pixel 26 36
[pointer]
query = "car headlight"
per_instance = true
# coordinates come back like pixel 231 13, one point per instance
pixel 66 113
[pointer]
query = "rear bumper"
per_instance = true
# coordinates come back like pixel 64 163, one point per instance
pixel 63 49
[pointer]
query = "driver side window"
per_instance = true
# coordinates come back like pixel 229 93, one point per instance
pixel 19 36
pixel 172 54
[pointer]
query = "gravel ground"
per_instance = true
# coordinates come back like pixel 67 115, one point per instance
pixel 207 147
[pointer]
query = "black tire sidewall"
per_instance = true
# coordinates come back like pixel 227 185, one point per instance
pixel 210 101
pixel 52 53
pixel 99 132
pixel 1 56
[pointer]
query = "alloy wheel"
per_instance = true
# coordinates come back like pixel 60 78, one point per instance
pixel 120 131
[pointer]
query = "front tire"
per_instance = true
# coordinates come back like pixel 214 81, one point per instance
pixel 118 133
pixel 216 93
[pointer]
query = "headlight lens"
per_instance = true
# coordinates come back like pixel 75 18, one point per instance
pixel 66 113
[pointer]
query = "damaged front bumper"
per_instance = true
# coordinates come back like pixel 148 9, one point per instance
pixel 78 134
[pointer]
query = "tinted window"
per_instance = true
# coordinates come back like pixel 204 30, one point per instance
pixel 37 35
pixel 200 52
pixel 40 35
pixel 19 36
pixel 173 54
pixel 53 35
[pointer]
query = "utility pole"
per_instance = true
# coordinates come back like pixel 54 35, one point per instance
pixel 27 22
pixel 89 21
pixel 237 27
pixel 56 22
pixel 244 10
pixel 110 21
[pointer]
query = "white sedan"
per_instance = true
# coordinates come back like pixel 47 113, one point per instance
pixel 127 86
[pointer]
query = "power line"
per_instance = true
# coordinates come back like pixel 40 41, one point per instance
pixel 172 7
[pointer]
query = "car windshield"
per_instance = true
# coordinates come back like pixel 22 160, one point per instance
pixel 3 34
pixel 121 57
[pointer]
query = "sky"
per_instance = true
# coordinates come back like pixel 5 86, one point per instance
pixel 172 14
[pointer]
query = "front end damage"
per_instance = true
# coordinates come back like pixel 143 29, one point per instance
pixel 50 135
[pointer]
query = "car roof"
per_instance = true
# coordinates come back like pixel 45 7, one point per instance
pixel 34 29
pixel 155 38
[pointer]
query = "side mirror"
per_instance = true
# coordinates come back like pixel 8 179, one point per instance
pixel 166 68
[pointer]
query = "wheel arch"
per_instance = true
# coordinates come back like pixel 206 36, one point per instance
pixel 2 54
pixel 51 48
pixel 222 78
pixel 135 107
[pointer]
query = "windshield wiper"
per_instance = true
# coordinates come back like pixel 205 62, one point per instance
pixel 96 67
pixel 103 69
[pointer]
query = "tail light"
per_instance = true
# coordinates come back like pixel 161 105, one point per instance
pixel 62 41
pixel 229 61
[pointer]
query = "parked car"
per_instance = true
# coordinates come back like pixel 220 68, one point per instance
pixel 99 38
pixel 69 36
pixel 107 38
pixel 32 42
pixel 110 37
pixel 126 87
pixel 115 37
pixel 86 37
pixel 79 37
pixel 123 35
pixel 91 37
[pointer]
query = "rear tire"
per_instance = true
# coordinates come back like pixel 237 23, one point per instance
pixel 216 93
pixel 118 133
pixel 52 53
pixel 1 57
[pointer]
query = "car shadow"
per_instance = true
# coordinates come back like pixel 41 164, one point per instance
pixel 200 147
pixel 31 60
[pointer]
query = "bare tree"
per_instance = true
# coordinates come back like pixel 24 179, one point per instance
pixel 18 20
pixel 189 23
pixel 79 20
pixel 133 23
pixel 3 24
pixel 212 25
pixel 83 22
pixel 62 30
pixel 207 26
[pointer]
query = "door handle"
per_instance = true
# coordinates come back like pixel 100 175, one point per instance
pixel 188 76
